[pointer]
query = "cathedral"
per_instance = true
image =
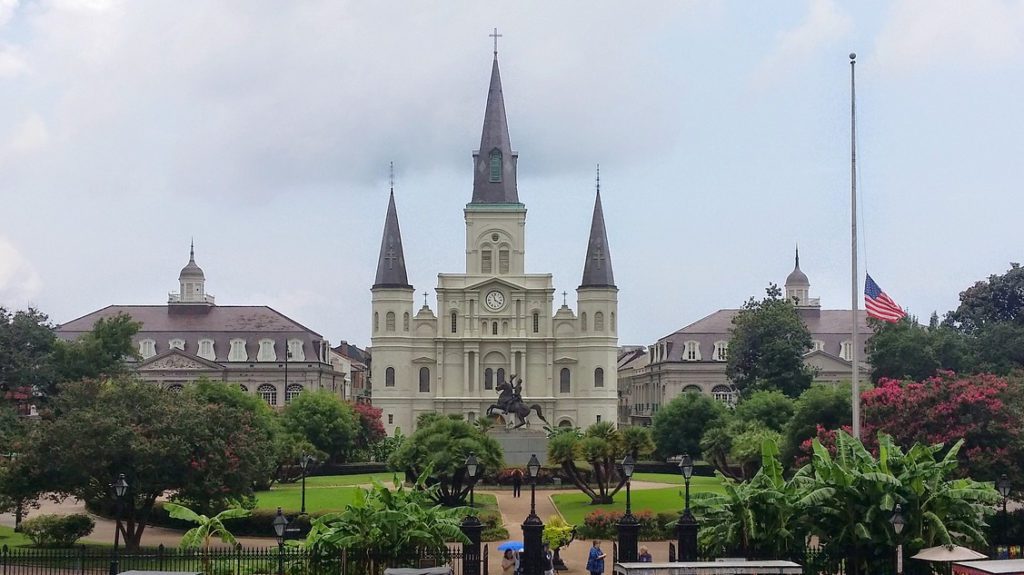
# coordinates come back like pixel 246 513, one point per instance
pixel 494 321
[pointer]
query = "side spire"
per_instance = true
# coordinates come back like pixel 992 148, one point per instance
pixel 597 270
pixel 391 262
pixel 494 163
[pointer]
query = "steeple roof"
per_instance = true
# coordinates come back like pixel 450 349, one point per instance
pixel 191 270
pixel 497 185
pixel 796 277
pixel 597 271
pixel 391 262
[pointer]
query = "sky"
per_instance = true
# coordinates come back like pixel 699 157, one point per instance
pixel 264 129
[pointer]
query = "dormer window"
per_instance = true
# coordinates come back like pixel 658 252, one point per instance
pixel 237 351
pixel 692 351
pixel 176 344
pixel 147 348
pixel 266 351
pixel 721 351
pixel 206 349
pixel 295 350
pixel 495 166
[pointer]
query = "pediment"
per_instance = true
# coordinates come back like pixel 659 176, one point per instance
pixel 826 362
pixel 566 359
pixel 494 282
pixel 424 359
pixel 175 359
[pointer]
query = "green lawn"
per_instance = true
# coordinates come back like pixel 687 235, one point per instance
pixel 575 506
pixel 341 480
pixel 11 539
pixel 673 478
pixel 330 496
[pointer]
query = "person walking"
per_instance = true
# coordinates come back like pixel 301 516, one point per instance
pixel 549 560
pixel 595 562
pixel 517 483
pixel 645 555
pixel 508 563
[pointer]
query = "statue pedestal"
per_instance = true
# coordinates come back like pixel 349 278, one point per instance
pixel 519 444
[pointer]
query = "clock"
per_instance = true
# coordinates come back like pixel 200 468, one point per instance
pixel 495 300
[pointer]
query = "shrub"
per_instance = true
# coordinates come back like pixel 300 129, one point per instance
pixel 602 524
pixel 57 530
pixel 494 530
pixel 260 523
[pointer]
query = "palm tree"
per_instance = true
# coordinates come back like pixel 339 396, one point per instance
pixel 206 528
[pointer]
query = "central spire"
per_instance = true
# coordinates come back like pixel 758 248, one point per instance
pixel 494 173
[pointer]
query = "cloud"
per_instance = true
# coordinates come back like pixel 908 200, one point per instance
pixel 28 136
pixel 920 34
pixel 7 9
pixel 19 281
pixel 12 62
pixel 824 24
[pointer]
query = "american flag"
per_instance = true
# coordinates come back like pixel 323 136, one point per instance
pixel 879 305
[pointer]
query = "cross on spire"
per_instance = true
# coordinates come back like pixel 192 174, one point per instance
pixel 495 35
pixel 598 255
pixel 389 255
pixel 564 295
pixel 424 299
pixel 391 174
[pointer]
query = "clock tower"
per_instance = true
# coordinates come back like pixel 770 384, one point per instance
pixel 495 320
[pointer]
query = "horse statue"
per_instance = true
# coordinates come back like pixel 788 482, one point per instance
pixel 510 402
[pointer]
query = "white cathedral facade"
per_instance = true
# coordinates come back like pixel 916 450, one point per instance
pixel 494 320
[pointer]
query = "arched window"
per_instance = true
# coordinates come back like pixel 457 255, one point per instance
pixel 268 393
pixel 176 388
pixel 564 381
pixel 495 166
pixel 692 389
pixel 488 378
pixel 405 322
pixel 494 328
pixel 536 322
pixel 583 321
pixel 599 377
pixel 424 380
pixel 598 321
pixel 500 375
pixel 503 261
pixel 455 321
pixel 486 261
pixel 723 393
pixel 389 377
pixel 389 321
pixel 291 392
pixel 565 423
pixel 243 388
pixel 376 321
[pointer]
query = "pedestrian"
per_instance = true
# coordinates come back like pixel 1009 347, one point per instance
pixel 645 555
pixel 517 482
pixel 519 562
pixel 595 562
pixel 549 560
pixel 508 563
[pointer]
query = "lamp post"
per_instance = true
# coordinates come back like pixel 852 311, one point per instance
pixel 898 522
pixel 628 525
pixel 279 523
pixel 120 488
pixel 304 462
pixel 1003 486
pixel 533 527
pixel 471 525
pixel 686 527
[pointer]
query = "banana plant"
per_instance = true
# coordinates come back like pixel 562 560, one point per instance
pixel 206 528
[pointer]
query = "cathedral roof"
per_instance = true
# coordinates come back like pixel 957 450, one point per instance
pixel 797 278
pixel 191 270
pixel 498 187
pixel 597 270
pixel 391 262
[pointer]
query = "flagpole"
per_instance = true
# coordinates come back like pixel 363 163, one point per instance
pixel 854 306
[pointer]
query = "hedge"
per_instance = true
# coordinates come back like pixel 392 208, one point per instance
pixel 57 530
pixel 602 524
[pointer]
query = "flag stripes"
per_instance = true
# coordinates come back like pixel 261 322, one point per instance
pixel 878 304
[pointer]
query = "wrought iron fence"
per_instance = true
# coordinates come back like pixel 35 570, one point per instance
pixel 222 561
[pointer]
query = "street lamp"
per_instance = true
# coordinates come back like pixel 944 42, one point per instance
pixel 898 523
pixel 1003 486
pixel 471 525
pixel 120 488
pixel 279 523
pixel 628 525
pixel 304 462
pixel 686 527
pixel 533 527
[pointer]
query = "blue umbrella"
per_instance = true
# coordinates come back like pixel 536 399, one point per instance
pixel 513 545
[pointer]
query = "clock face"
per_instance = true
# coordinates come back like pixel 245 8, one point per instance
pixel 495 300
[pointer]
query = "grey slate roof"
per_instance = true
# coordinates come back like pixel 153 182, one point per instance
pixel 830 326
pixel 495 137
pixel 391 262
pixel 597 270
pixel 163 323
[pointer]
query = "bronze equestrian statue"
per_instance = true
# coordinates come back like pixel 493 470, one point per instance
pixel 510 402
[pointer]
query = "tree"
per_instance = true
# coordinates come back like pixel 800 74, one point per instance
pixel 162 442
pixel 772 409
pixel 905 349
pixel 848 500
pixel 946 408
pixel 99 353
pixel 679 424
pixel 323 419
pixel 767 347
pixel 826 406
pixel 390 526
pixel 26 348
pixel 370 426
pixel 602 447
pixel 440 446
pixel 206 528
pixel 986 303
